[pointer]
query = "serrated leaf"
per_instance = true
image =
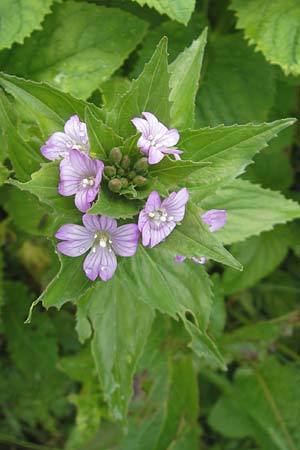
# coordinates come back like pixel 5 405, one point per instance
pixel 180 10
pixel 260 255
pixel 184 79
pixel 274 29
pixel 101 137
pixel 238 85
pixel 150 92
pixel 19 18
pixel 245 203
pixel 78 65
pixel 114 205
pixel 121 326
pixel 228 149
pixel 170 172
pixel 192 238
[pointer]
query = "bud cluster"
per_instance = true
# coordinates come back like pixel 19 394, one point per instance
pixel 122 173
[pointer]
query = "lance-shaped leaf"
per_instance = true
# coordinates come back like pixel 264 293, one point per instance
pixel 102 138
pixel 274 28
pixel 192 238
pixel 180 10
pixel 184 79
pixel 19 18
pixel 114 205
pixel 228 149
pixel 91 53
pixel 245 203
pixel 121 324
pixel 170 172
pixel 150 92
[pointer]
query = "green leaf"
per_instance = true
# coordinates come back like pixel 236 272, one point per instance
pixel 228 149
pixel 184 79
pixel 267 396
pixel 112 89
pixel 86 58
pixel 260 255
pixel 245 203
pixel 238 85
pixel 180 10
pixel 274 29
pixel 4 173
pixel 193 238
pixel 150 92
pixel 114 205
pixel 101 137
pixel 121 324
pixel 170 172
pixel 83 325
pixel 19 18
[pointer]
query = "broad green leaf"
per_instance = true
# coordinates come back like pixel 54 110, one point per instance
pixel 170 172
pixel 25 159
pixel 91 53
pixel 83 325
pixel 101 137
pixel 273 27
pixel 4 173
pixel 218 313
pixel 228 149
pixel 19 18
pixel 245 203
pixel 150 92
pixel 48 106
pixel 121 325
pixel 260 255
pixel 267 396
pixel 238 85
pixel 193 238
pixel 180 10
pixel 184 79
pixel 112 89
pixel 115 205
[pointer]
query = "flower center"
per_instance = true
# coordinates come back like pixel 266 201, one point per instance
pixel 102 239
pixel 88 182
pixel 159 216
pixel 152 140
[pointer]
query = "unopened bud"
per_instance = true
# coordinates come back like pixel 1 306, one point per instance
pixel 115 185
pixel 139 180
pixel 131 174
pixel 125 162
pixel 124 182
pixel 141 165
pixel 121 171
pixel 115 155
pixel 110 171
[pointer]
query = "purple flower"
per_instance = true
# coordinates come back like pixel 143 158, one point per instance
pixel 80 175
pixel 215 218
pixel 60 144
pixel 159 218
pixel 180 258
pixel 156 139
pixel 106 240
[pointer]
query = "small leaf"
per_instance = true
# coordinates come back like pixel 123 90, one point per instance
pixel 170 172
pixel 179 10
pixel 114 205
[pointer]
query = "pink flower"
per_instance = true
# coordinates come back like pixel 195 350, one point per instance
pixel 60 144
pixel 180 258
pixel 156 138
pixel 159 218
pixel 105 239
pixel 215 218
pixel 80 175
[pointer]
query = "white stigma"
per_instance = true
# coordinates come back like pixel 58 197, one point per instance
pixel 88 182
pixel 103 242
pixel 159 216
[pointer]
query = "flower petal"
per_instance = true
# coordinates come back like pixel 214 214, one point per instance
pixel 102 262
pixel 158 235
pixel 201 260
pixel 76 239
pixel 57 146
pixel 155 155
pixel 81 200
pixel 141 125
pixel 77 131
pixel 215 218
pixel 143 219
pixel 125 239
pixel 93 222
pixel 156 128
pixel 179 259
pixel 170 138
pixel 175 204
pixel 146 234
pixel 153 202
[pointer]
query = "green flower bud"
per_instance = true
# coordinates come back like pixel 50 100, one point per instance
pixel 115 155
pixel 139 180
pixel 110 171
pixel 141 165
pixel 115 185
pixel 125 162
pixel 131 174
pixel 121 171
pixel 124 182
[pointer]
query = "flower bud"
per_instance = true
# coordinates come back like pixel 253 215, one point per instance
pixel 115 185
pixel 115 155
pixel 141 165
pixel 124 182
pixel 121 171
pixel 125 164
pixel 110 171
pixel 131 174
pixel 139 180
